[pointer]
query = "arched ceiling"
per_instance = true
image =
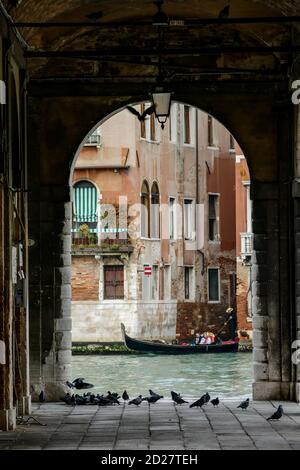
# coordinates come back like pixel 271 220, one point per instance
pixel 126 48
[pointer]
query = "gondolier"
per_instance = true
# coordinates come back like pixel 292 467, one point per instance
pixel 232 322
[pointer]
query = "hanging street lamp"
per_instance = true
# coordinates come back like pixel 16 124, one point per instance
pixel 161 101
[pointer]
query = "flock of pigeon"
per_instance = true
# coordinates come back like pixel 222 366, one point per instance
pixel 113 398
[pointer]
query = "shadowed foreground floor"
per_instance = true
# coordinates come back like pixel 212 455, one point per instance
pixel 159 426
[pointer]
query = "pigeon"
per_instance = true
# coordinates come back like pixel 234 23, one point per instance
pixel 198 403
pixel 177 399
pixel 224 13
pixel 79 384
pixel 73 400
pixel 141 117
pixel 112 397
pixel 80 400
pixel 70 384
pixel 215 401
pixel 154 393
pixel 42 397
pixel 91 397
pixel 67 399
pixel 104 401
pixel 136 401
pixel 244 405
pixel 206 398
pixel 278 413
pixel 125 396
pixel 174 395
pixel 153 398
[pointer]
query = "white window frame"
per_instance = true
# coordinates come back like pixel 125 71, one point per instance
pixel 191 283
pixel 173 211
pixel 154 293
pixel 247 185
pixel 214 145
pixel 218 238
pixel 155 217
pixel 167 282
pixel 192 219
pixel 219 285
pixel 192 119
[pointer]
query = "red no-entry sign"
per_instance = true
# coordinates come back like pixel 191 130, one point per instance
pixel 147 270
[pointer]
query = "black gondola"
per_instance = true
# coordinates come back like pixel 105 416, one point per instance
pixel 146 346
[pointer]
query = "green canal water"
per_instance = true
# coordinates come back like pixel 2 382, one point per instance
pixel 225 375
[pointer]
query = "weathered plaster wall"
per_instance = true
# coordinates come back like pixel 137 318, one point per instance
pixel 100 321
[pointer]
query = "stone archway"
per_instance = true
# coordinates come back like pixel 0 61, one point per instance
pixel 264 131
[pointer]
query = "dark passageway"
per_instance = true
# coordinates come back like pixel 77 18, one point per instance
pixel 62 79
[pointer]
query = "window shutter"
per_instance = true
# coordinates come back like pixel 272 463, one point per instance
pixel 113 282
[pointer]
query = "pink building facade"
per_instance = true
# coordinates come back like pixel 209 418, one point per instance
pixel 165 202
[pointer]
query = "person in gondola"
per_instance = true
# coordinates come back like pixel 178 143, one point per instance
pixel 197 339
pixel 218 340
pixel 232 322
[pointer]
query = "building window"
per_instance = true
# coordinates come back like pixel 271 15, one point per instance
pixel 213 285
pixel 152 126
pixel 212 217
pixel 113 282
pixel 154 286
pixel 187 125
pixel 155 226
pixel 143 124
pixel 145 211
pixel 173 122
pixel 188 273
pixel 248 208
pixel 210 131
pixel 167 282
pixel 172 217
pixel 188 219
pixel 85 211
pixel 231 143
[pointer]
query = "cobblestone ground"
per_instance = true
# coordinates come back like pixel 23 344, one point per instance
pixel 159 426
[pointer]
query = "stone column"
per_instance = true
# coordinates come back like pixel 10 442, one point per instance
pixel 265 295
pixel 271 300
pixel 50 291
pixel 7 408
pixel 296 199
pixel 296 355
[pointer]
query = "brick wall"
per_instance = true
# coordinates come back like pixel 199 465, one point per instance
pixel 200 317
pixel 85 278
pixel 203 316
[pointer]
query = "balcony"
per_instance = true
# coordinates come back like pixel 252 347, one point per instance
pixel 246 246
pixel 98 243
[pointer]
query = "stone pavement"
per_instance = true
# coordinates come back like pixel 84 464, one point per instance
pixel 159 426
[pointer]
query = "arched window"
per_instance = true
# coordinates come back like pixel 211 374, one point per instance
pixel 145 210
pixel 155 225
pixel 85 214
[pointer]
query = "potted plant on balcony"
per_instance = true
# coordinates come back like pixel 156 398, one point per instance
pixel 86 237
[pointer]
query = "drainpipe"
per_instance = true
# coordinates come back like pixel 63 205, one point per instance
pixel 197 184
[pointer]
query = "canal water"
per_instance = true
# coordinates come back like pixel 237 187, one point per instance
pixel 225 375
